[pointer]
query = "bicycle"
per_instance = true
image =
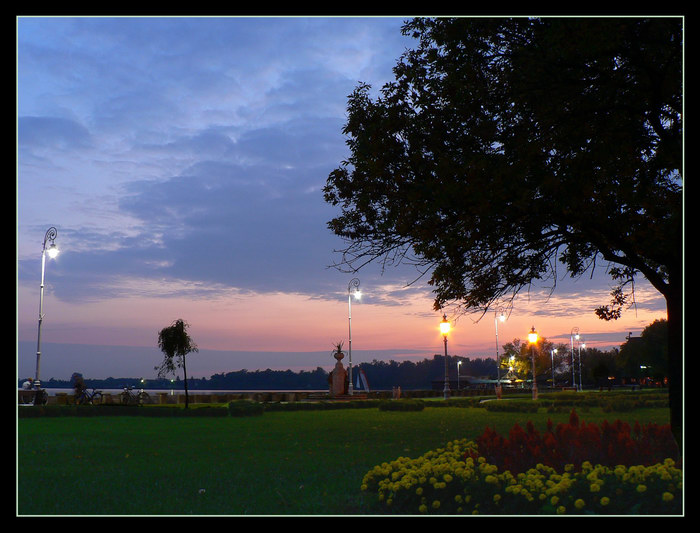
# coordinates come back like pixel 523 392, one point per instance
pixel 128 397
pixel 85 397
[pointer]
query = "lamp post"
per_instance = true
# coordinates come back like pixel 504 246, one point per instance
pixel 554 350
pixel 574 334
pixel 458 363
pixel 353 290
pixel 52 252
pixel 580 384
pixel 445 329
pixel 532 338
pixel 498 315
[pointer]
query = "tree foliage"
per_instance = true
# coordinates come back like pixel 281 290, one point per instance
pixel 507 150
pixel 175 343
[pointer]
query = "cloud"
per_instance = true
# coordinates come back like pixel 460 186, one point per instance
pixel 51 132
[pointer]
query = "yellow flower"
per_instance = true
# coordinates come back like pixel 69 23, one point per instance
pixel 423 509
pixel 561 509
pixel 595 487
pixel 604 501
pixel 667 496
pixel 496 497
pixel 436 504
pixel 554 500
pixel 641 488
pixel 419 491
pixel 579 504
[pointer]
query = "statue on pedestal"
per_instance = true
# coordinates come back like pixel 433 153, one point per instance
pixel 338 379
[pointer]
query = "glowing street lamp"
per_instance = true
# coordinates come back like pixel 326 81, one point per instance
pixel 458 363
pixel 554 350
pixel 580 384
pixel 52 252
pixel 574 334
pixel 532 338
pixel 353 290
pixel 445 330
pixel 498 316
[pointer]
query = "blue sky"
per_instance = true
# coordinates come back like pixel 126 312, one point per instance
pixel 182 161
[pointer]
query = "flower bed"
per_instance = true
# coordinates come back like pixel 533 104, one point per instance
pixel 459 479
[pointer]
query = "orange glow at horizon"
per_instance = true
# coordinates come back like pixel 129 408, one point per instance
pixel 295 323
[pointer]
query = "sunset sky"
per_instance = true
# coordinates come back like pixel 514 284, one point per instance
pixel 181 161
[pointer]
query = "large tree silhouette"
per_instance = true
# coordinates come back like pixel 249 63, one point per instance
pixel 175 343
pixel 509 149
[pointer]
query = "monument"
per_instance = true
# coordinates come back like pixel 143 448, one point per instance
pixel 338 380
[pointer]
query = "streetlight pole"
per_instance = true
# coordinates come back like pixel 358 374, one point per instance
pixel 52 252
pixel 580 383
pixel 498 315
pixel 445 329
pixel 554 350
pixel 574 333
pixel 458 363
pixel 532 337
pixel 353 288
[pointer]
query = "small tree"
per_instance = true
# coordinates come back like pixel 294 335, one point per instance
pixel 174 342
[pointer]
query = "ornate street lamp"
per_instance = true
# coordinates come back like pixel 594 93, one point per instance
pixel 532 338
pixel 580 383
pixel 353 290
pixel 498 316
pixel 574 335
pixel 52 252
pixel 445 330
pixel 458 363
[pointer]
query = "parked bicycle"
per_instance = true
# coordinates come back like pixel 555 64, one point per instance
pixel 86 397
pixel 129 397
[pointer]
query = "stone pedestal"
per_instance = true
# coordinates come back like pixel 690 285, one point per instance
pixel 338 379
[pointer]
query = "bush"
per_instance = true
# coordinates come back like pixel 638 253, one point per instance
pixel 401 405
pixel 245 408
pixel 512 406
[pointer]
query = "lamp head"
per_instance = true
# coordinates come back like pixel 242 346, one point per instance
pixel 444 326
pixel 52 251
pixel 532 336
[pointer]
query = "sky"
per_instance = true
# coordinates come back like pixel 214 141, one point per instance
pixel 181 161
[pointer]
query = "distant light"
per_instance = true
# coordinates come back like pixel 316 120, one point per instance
pixel 444 325
pixel 52 251
pixel 358 295
pixel 532 336
pixel 502 317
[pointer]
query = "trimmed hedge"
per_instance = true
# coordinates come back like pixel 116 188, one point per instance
pixel 245 408
pixel 401 405
pixel 116 410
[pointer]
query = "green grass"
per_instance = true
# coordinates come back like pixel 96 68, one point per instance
pixel 281 463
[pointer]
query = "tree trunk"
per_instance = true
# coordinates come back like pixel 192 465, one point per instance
pixel 184 371
pixel 674 306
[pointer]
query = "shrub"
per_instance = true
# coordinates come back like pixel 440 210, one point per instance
pixel 401 405
pixel 512 406
pixel 245 408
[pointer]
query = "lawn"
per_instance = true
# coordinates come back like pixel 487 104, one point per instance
pixel 281 463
